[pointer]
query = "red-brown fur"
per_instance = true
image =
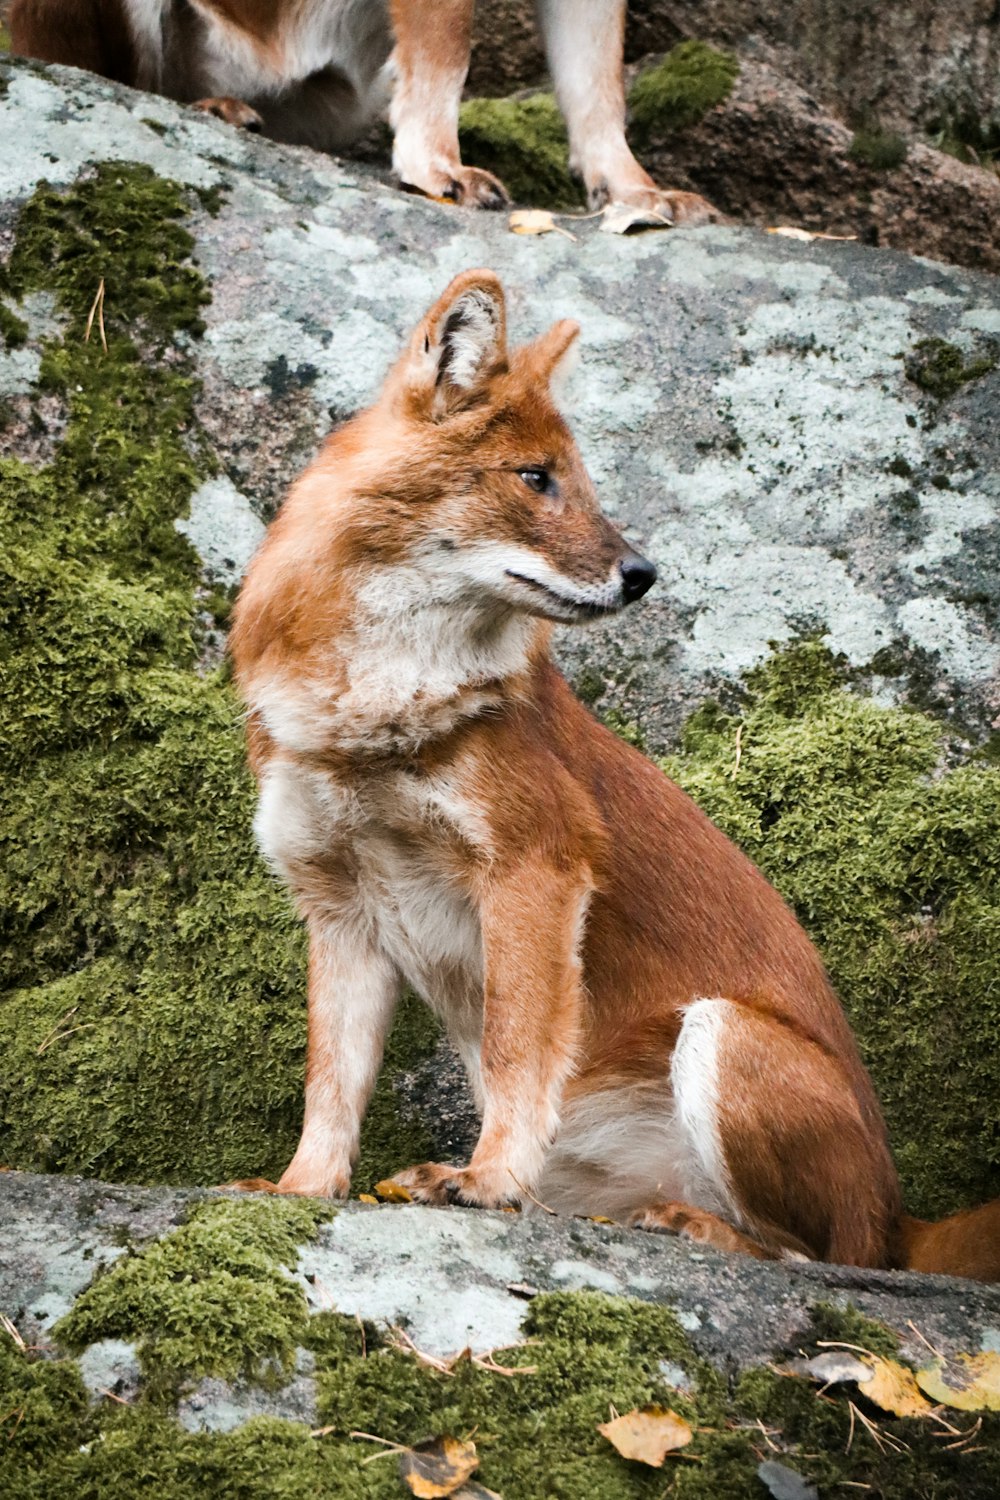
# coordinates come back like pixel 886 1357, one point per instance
pixel 611 917
pixel 313 72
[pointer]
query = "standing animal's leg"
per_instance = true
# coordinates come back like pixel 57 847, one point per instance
pixel 783 1158
pixel 584 43
pixel 532 926
pixel 431 60
pixel 353 990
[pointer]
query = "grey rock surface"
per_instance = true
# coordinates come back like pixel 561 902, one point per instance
pixel 743 403
pixel 453 1278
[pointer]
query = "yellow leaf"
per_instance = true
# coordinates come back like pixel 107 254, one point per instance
pixel 970 1382
pixel 893 1388
pixel 647 1434
pixel 791 232
pixel 367 1198
pixel 392 1192
pixel 622 218
pixel 536 221
pixel 438 1467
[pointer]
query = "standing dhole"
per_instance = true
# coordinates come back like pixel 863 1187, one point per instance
pixel 649 1033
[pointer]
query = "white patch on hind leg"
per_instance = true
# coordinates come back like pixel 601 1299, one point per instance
pixel 694 1076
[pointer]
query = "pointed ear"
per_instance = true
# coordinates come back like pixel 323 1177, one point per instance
pixel 556 355
pixel 460 342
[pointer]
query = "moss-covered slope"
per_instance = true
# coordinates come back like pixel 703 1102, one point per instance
pixel 152 974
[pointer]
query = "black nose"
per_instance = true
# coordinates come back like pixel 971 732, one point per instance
pixel 638 575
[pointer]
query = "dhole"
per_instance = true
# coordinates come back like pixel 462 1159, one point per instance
pixel 649 1033
pixel 317 72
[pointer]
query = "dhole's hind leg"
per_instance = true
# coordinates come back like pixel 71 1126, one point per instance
pixel 782 1158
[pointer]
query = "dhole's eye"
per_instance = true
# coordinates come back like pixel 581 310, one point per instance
pixel 538 480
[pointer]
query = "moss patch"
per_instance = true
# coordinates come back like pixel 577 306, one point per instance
pixel 940 368
pixel 536 1432
pixel 883 150
pixel 679 91
pixel 524 142
pixel 892 862
pixel 212 1298
pixel 152 973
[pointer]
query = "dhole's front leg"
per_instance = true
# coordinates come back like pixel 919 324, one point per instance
pixel 584 42
pixel 532 926
pixel 431 60
pixel 353 990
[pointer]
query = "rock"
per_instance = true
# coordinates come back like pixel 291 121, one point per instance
pixel 802 436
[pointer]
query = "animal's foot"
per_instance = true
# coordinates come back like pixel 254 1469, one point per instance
pixel 300 1185
pixel 437 1183
pixel 233 111
pixel 469 186
pixel 698 1225
pixel 674 206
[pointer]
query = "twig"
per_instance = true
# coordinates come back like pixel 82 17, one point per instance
pixel 739 751
pixel 50 1034
pixel 97 306
pixel 364 1341
pixel 529 1194
pixel 924 1340
pixel 60 1036
pixel 10 1328
pixel 389 1447
pixel 112 1397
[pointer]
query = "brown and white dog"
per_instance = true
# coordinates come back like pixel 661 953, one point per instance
pixel 318 72
pixel 649 1033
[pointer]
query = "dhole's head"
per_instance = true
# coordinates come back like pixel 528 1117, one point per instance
pixel 465 476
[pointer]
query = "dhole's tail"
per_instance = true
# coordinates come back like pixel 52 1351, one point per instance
pixel 966 1244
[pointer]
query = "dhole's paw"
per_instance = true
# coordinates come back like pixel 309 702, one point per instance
pixel 469 186
pixel 233 111
pixel 675 207
pixel 698 1225
pixel 301 1187
pixel 434 1183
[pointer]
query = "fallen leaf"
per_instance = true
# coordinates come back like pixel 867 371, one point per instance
pixel 392 1192
pixel 438 1467
pixel 784 1483
pixel 367 1198
pixel 647 1434
pixel 622 218
pixel 523 1289
pixel 790 232
pixel 599 1219
pixel 894 1389
pixel 970 1382
pixel 536 221
pixel 832 1368
pixel 475 1491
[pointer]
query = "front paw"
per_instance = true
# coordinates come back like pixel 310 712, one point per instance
pixel 673 206
pixel 233 111
pixel 439 1184
pixel 469 186
pixel 296 1185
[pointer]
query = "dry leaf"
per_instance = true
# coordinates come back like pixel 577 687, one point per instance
pixel 790 232
pixel 784 1483
pixel 438 1467
pixel 833 1367
pixel 970 1382
pixel 392 1192
pixel 622 218
pixel 367 1198
pixel 536 221
pixel 647 1434
pixel 475 1491
pixel 894 1389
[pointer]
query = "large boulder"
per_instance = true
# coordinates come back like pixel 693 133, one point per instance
pixel 802 435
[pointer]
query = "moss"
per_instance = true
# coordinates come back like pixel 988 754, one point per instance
pixel 13 330
pixel 524 142
pixel 845 1325
pixel 152 974
pixel 940 368
pixel 893 865
pixel 679 91
pixel 626 729
pixel 883 150
pixel 212 1298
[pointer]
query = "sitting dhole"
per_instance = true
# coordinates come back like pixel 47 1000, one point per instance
pixel 318 72
pixel 649 1033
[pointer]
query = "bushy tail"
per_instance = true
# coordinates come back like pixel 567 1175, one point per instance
pixel 966 1244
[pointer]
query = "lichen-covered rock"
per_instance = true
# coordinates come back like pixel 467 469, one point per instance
pixel 802 436
pixel 400 1323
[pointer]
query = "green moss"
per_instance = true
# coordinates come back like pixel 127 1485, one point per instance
pixel 893 865
pixel 13 330
pixel 884 150
pixel 940 368
pixel 845 1325
pixel 212 1298
pixel 626 729
pixel 524 142
pixel 152 973
pixel 679 91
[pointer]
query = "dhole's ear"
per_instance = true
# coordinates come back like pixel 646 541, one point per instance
pixel 460 343
pixel 556 354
